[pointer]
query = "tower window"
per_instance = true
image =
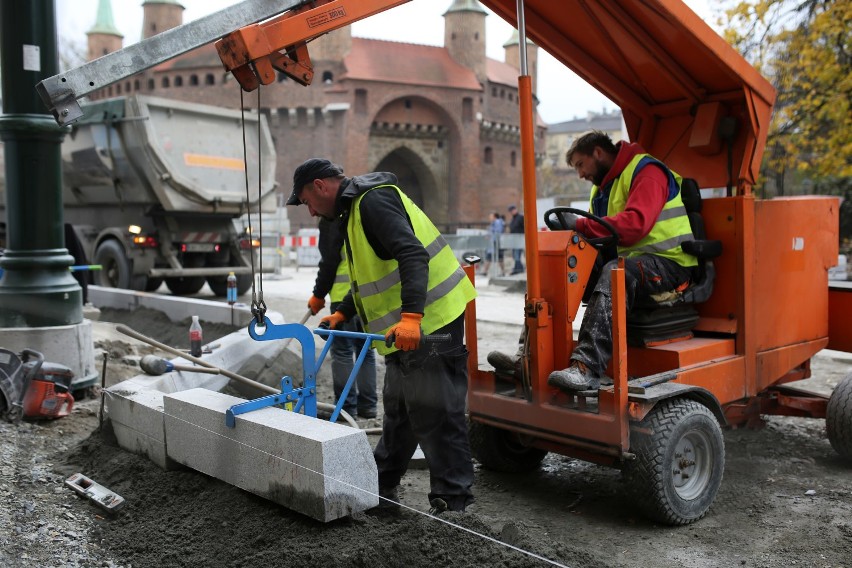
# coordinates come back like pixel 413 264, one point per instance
pixel 407 103
pixel 489 155
pixel 513 158
pixel 361 101
pixel 467 109
pixel 476 36
pixel 327 77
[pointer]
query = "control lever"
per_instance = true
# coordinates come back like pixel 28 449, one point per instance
pixel 424 339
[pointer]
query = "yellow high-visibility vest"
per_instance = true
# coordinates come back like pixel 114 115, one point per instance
pixel 376 284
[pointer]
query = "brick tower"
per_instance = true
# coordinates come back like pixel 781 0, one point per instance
pixel 104 37
pixel 513 57
pixel 464 35
pixel 159 16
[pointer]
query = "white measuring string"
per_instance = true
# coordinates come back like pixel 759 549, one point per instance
pixel 328 477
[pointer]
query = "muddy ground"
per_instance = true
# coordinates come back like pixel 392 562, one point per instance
pixel 786 500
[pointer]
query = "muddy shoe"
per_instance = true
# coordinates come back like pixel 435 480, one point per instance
pixel 505 364
pixel 438 506
pixel 389 497
pixel 367 413
pixel 575 378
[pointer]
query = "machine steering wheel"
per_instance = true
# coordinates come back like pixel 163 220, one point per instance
pixel 556 221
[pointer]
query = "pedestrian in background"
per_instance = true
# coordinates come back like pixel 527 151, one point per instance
pixel 495 228
pixel 333 279
pixel 516 226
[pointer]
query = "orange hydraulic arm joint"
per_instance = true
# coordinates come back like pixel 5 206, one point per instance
pixel 255 52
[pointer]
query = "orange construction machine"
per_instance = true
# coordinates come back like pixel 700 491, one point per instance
pixel 692 368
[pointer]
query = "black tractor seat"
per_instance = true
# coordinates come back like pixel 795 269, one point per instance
pixel 672 316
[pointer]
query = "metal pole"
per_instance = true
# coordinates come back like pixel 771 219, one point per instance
pixel 522 36
pixel 527 112
pixel 37 289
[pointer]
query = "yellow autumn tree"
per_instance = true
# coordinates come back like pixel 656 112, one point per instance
pixel 803 47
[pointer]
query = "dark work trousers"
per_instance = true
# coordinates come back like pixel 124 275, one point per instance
pixel 424 398
pixel 644 276
pixel 362 398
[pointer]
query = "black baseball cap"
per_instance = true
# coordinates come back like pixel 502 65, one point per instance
pixel 315 168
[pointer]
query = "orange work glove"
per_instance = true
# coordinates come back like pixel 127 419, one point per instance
pixel 316 304
pixel 406 334
pixel 332 321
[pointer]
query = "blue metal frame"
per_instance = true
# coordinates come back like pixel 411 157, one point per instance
pixel 305 397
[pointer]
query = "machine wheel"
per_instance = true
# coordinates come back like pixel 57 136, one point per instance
pixel 117 270
pixel 502 450
pixel 184 286
pixel 680 459
pixel 219 284
pixel 838 418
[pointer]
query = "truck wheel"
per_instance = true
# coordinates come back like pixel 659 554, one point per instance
pixel 838 418
pixel 184 286
pixel 116 270
pixel 219 284
pixel 502 450
pixel 680 458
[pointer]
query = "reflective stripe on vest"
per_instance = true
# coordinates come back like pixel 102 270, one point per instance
pixel 376 285
pixel 671 228
pixel 341 280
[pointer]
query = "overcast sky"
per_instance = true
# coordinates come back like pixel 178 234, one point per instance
pixel 75 17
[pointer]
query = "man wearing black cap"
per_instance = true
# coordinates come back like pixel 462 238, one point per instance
pixel 405 282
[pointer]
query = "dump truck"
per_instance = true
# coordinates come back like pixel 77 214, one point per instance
pixel 153 187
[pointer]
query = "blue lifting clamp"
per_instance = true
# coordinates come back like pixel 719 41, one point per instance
pixel 303 398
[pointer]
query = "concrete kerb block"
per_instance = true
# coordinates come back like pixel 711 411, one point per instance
pixel 317 468
pixel 176 308
pixel 136 415
pixel 135 406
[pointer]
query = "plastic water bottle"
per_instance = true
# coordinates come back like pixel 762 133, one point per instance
pixel 195 337
pixel 232 289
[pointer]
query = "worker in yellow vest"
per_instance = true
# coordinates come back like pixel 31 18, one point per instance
pixel 405 282
pixel 640 197
pixel 333 280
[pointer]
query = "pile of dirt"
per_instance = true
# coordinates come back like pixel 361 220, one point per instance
pixel 185 518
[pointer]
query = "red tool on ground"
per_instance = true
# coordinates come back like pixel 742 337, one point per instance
pixel 31 388
pixel 48 394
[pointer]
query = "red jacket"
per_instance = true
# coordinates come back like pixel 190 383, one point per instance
pixel 646 199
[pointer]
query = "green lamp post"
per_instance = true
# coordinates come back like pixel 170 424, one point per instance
pixel 36 289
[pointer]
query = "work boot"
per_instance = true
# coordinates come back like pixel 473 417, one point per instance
pixel 504 364
pixel 367 413
pixel 576 377
pixel 389 497
pixel 438 506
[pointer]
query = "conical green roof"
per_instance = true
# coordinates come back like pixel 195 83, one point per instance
pixel 174 2
pixel 465 6
pixel 516 39
pixel 104 23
